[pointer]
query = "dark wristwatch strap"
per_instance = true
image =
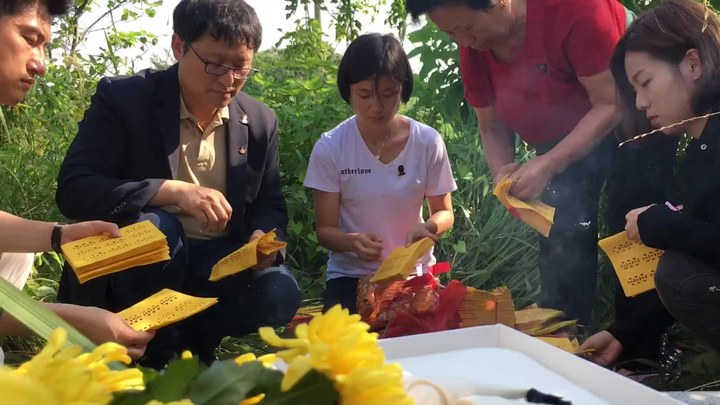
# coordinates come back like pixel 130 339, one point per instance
pixel 56 237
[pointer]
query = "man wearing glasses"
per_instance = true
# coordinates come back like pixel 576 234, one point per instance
pixel 188 150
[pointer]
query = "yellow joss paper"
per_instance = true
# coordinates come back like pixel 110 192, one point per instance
pixel 538 215
pixel 570 346
pixel 634 263
pixel 246 257
pixel 487 308
pixel 139 244
pixel 401 262
pixel 164 308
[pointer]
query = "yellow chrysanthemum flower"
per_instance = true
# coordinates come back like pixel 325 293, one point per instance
pixel 335 343
pixel 18 389
pixel 74 378
pixel 268 360
pixel 182 402
pixel 252 401
pixel 377 385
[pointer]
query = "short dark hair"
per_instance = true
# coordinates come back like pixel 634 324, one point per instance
pixel 228 20
pixel 54 8
pixel 666 33
pixel 416 8
pixel 374 55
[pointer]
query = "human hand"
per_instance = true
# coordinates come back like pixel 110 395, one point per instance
pixel 505 171
pixel 208 205
pixel 602 348
pixel 368 246
pixel 263 261
pixel 531 178
pixel 80 230
pixel 101 326
pixel 418 232
pixel 631 227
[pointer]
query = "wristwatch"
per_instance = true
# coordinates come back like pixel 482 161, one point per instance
pixel 56 237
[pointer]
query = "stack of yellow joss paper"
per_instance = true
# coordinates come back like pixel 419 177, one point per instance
pixel 536 321
pixel 487 308
pixel 138 245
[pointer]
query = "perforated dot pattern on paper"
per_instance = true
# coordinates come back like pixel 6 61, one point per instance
pixel 164 308
pixel 136 238
pixel 246 257
pixel 634 263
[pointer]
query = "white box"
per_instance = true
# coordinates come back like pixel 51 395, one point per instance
pixel 597 381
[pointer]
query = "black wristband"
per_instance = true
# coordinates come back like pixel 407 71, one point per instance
pixel 56 237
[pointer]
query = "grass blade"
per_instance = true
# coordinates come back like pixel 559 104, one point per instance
pixel 36 317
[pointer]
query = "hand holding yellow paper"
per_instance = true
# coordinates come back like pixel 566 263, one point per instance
pixel 400 262
pixel 534 213
pixel 634 263
pixel 164 308
pixel 246 257
pixel 138 245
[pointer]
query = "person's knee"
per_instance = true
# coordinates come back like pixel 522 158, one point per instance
pixel 669 274
pixel 169 225
pixel 280 296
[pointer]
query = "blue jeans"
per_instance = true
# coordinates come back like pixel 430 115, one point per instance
pixel 246 301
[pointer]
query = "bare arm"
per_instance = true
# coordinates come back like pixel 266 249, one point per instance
pixel 532 177
pixel 592 128
pixel 497 139
pixel 35 234
pixel 26 236
pixel 441 214
pixel 366 245
pixel 327 223
pixel 97 324
pixel 440 221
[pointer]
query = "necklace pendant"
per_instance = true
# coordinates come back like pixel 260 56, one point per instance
pixel 377 157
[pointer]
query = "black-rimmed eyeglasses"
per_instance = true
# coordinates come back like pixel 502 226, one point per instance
pixel 218 69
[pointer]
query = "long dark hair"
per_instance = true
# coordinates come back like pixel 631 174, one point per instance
pixel 666 33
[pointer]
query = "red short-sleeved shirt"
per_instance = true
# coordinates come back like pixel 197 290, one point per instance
pixel 538 94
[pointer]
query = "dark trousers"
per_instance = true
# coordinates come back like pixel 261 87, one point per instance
pixel 343 291
pixel 246 300
pixel 690 290
pixel 568 256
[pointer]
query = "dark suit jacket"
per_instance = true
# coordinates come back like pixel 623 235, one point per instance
pixel 127 143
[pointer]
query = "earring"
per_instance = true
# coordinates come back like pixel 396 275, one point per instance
pixel 695 78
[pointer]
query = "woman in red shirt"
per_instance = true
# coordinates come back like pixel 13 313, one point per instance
pixel 539 69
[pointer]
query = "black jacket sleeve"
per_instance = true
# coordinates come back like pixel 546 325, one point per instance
pixel 268 210
pixel 90 182
pixel 662 228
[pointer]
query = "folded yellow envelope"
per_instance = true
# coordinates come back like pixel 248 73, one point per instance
pixel 634 263
pixel 164 308
pixel 401 262
pixel 534 213
pixel 246 257
pixel 138 244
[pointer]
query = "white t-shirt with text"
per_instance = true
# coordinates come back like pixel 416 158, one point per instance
pixel 384 199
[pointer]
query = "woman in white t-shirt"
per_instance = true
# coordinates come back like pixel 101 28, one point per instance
pixel 371 174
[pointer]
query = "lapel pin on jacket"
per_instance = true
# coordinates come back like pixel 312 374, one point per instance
pixel 244 119
pixel 242 150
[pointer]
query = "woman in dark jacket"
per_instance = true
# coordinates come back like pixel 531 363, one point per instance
pixel 666 70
